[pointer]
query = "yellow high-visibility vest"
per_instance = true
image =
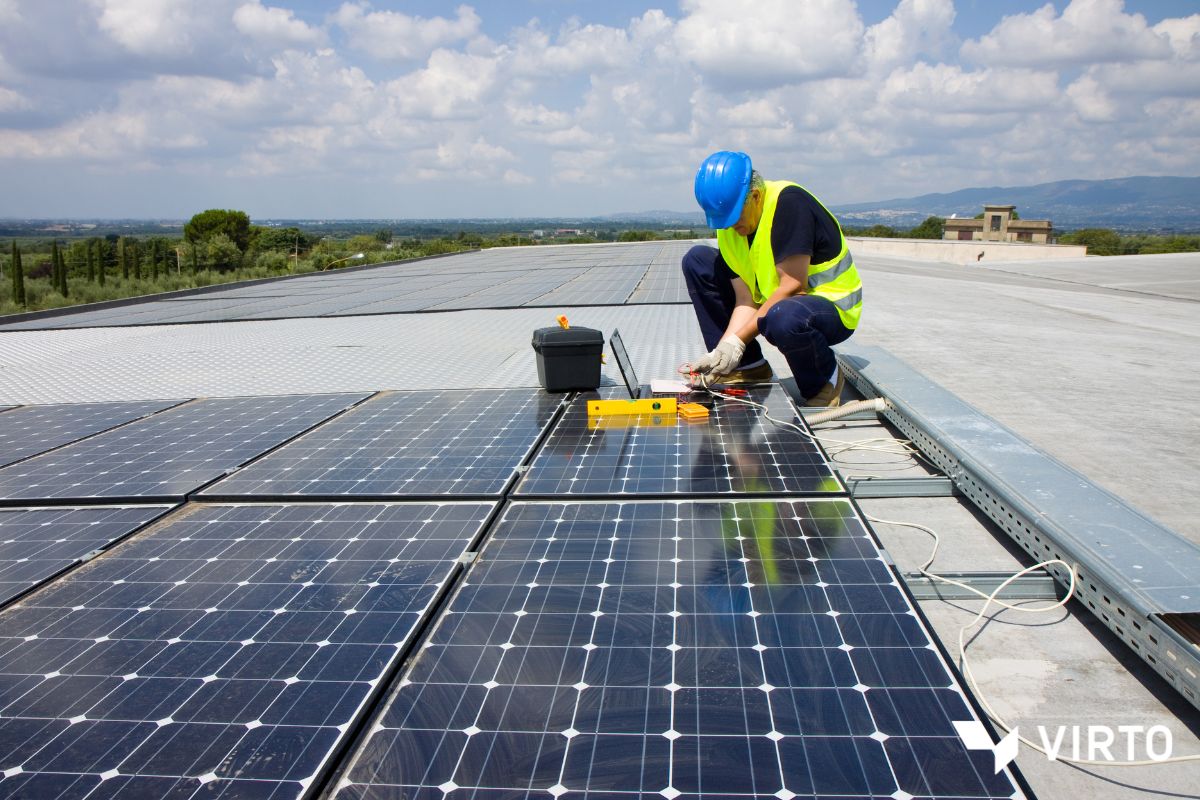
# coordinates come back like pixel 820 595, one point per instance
pixel 836 279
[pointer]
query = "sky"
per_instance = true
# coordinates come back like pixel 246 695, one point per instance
pixel 388 109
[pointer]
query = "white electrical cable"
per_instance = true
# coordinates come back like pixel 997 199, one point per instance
pixel 989 600
pixel 835 447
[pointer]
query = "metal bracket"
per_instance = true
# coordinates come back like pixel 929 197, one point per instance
pixel 1131 572
pixel 468 558
pixel 933 486
pixel 1038 585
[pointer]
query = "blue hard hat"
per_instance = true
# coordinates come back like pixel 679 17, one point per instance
pixel 722 183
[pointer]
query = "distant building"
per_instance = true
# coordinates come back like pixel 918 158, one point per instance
pixel 998 225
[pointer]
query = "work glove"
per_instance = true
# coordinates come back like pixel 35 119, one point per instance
pixel 723 359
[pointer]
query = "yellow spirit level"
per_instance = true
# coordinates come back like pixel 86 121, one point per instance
pixel 652 405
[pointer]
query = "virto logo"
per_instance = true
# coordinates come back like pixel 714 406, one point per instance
pixel 1085 742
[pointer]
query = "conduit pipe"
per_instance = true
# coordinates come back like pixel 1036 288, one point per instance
pixel 877 404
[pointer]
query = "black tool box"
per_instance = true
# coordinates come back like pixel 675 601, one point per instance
pixel 568 358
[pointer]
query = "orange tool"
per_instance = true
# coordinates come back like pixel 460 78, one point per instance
pixel 562 320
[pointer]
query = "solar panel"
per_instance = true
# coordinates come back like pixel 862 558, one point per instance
pixel 226 653
pixel 753 648
pixel 409 443
pixel 170 454
pixel 735 450
pixel 37 543
pixel 35 429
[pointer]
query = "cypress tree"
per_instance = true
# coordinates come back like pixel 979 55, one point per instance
pixel 18 276
pixel 123 257
pixel 91 262
pixel 55 267
pixel 100 261
pixel 62 274
pixel 154 248
pixel 135 260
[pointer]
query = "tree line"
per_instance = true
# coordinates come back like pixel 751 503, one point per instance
pixel 1107 242
pixel 1099 241
pixel 217 246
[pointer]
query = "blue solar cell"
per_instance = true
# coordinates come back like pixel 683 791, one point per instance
pixel 735 451
pixel 226 653
pixel 169 454
pixel 671 649
pixel 37 543
pixel 31 430
pixel 409 443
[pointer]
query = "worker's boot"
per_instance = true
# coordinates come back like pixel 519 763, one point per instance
pixel 741 377
pixel 830 394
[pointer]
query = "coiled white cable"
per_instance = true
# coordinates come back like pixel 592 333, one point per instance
pixel 993 599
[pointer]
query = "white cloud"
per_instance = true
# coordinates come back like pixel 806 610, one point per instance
pixel 757 43
pixel 274 25
pixel 452 85
pixel 11 100
pixel 1088 31
pixel 159 27
pixel 577 48
pixel 392 35
pixel 1091 100
pixel 916 27
pixel 614 115
pixel 758 113
pixel 103 137
pixel 1183 34
pixel 538 117
pixel 946 89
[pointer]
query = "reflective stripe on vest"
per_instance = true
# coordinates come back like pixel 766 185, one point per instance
pixel 836 279
pixel 839 269
pixel 848 302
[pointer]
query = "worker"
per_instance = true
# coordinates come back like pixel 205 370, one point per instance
pixel 782 269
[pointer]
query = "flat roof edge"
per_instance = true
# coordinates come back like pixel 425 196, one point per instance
pixel 1134 574
pixel 1161 567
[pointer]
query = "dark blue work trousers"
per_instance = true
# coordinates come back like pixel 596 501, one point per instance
pixel 802 327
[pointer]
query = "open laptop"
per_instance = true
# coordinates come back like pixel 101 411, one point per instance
pixel 638 391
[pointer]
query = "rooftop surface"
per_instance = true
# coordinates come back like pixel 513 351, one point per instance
pixel 1091 361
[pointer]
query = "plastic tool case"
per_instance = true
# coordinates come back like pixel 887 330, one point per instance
pixel 568 358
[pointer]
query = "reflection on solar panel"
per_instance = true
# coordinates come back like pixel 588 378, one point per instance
pixel 35 429
pixel 222 654
pixel 735 450
pixel 753 648
pixel 36 543
pixel 409 443
pixel 169 454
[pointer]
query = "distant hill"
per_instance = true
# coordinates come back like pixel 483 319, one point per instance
pixel 685 218
pixel 1138 203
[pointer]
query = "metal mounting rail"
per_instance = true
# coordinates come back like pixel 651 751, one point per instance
pixel 1138 577
pixel 874 488
pixel 1034 586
